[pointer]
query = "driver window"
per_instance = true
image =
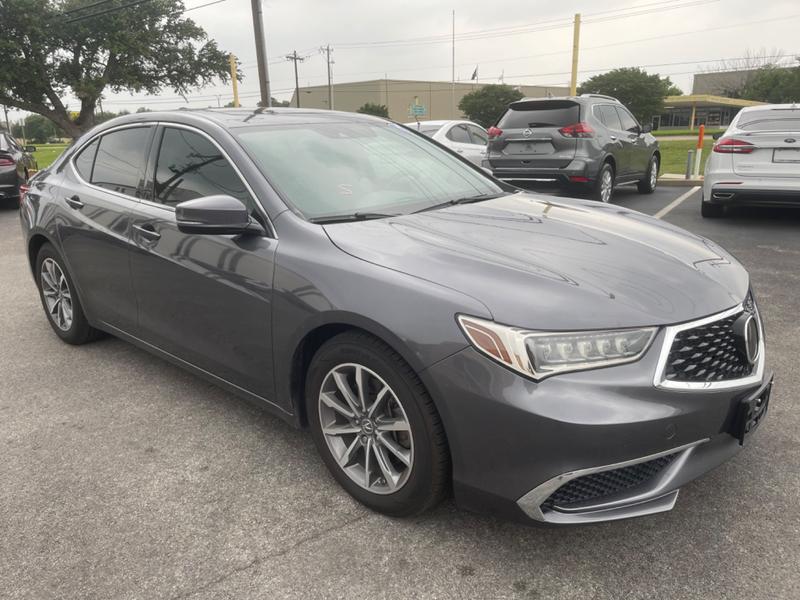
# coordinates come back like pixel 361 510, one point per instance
pixel 628 122
pixel 190 166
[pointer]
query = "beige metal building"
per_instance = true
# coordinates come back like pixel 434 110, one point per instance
pixel 407 98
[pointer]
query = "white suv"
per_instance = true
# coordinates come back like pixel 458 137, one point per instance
pixel 756 161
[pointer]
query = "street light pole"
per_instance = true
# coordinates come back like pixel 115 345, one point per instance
pixel 261 53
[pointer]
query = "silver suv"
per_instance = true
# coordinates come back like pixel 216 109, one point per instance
pixel 589 142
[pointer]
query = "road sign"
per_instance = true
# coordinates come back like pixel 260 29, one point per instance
pixel 417 109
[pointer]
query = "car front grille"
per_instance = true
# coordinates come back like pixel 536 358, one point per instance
pixel 597 486
pixel 709 352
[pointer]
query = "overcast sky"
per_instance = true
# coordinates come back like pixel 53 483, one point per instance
pixel 674 37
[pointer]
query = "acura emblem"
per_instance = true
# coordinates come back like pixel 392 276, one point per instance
pixel 790 140
pixel 747 336
pixel 527 133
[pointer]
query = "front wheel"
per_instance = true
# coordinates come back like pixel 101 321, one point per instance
pixel 376 426
pixel 647 185
pixel 604 185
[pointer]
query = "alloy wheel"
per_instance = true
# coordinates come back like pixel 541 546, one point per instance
pixel 606 185
pixel 57 295
pixel 366 428
pixel 653 174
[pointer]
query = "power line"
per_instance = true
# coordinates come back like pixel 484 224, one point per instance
pixel 107 11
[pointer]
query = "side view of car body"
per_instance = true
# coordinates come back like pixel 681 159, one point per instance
pixel 756 162
pixel 16 163
pixel 589 142
pixel 549 359
pixel 465 137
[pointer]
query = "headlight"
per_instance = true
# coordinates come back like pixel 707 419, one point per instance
pixel 538 354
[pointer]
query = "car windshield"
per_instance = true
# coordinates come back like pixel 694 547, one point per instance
pixel 770 120
pixel 340 168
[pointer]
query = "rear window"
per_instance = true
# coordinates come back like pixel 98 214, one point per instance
pixel 429 130
pixel 540 113
pixel 770 120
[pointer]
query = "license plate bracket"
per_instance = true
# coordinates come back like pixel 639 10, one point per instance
pixel 750 411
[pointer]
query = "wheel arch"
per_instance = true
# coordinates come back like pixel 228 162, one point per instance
pixel 35 243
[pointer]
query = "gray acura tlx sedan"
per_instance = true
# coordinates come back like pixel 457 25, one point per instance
pixel 550 359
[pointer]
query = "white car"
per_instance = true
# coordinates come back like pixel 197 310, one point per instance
pixel 465 137
pixel 756 162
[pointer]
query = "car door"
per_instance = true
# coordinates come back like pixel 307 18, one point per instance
pixel 203 298
pixel 479 138
pixel 616 138
pixel 100 185
pixel 639 153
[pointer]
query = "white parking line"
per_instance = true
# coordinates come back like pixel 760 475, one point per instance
pixel 660 214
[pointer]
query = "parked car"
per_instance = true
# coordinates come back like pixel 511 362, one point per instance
pixel 549 359
pixel 16 163
pixel 465 137
pixel 756 162
pixel 589 142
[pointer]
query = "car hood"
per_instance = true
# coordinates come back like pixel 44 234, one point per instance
pixel 555 263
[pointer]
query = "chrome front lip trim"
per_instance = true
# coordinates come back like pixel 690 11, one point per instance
pixel 655 499
pixel 670 332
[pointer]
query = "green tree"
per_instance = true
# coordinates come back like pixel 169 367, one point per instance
pixel 773 84
pixel 56 48
pixel 640 91
pixel 371 108
pixel 38 129
pixel 487 104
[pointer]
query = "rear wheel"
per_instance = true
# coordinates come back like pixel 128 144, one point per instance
pixel 711 211
pixel 604 185
pixel 375 426
pixel 647 185
pixel 59 299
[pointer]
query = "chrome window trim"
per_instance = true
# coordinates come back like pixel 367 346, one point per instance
pixel 92 139
pixel 669 337
pixel 531 502
pixel 257 203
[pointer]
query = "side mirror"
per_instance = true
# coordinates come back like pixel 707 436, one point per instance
pixel 219 215
pixel 30 149
pixel 647 128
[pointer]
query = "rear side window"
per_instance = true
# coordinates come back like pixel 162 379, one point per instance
pixel 120 161
pixel 458 133
pixel 540 113
pixel 628 122
pixel 608 115
pixel 190 166
pixel 770 120
pixel 85 160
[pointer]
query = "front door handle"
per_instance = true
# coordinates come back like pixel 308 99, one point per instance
pixel 147 232
pixel 75 202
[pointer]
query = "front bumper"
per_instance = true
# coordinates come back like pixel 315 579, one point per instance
pixel 515 441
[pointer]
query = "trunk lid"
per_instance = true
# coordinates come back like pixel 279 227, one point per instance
pixel 774 138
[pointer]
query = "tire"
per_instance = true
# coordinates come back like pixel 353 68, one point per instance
pixel 711 211
pixel 56 277
pixel 647 185
pixel 603 190
pixel 420 483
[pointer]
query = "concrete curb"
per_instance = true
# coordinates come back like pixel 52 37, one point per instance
pixel 669 179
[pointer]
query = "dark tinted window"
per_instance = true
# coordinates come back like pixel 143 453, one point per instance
pixel 458 134
pixel 429 130
pixel 85 160
pixel 540 113
pixel 608 115
pixel 478 135
pixel 628 122
pixel 120 160
pixel 770 120
pixel 190 166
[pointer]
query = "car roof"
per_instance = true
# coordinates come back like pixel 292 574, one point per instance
pixel 577 99
pixel 748 109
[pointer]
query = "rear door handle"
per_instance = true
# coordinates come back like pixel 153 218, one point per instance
pixel 75 202
pixel 614 138
pixel 147 232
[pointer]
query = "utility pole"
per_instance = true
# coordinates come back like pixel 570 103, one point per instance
pixel 234 80
pixel 453 73
pixel 261 54
pixel 576 42
pixel 296 59
pixel 8 125
pixel 327 51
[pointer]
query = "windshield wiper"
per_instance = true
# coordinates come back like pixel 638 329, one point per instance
pixel 356 216
pixel 465 200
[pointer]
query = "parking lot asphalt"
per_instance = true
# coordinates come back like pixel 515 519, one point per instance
pixel 122 476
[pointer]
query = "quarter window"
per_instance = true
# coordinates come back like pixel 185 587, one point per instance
pixel 628 122
pixel 85 160
pixel 120 160
pixel 190 166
